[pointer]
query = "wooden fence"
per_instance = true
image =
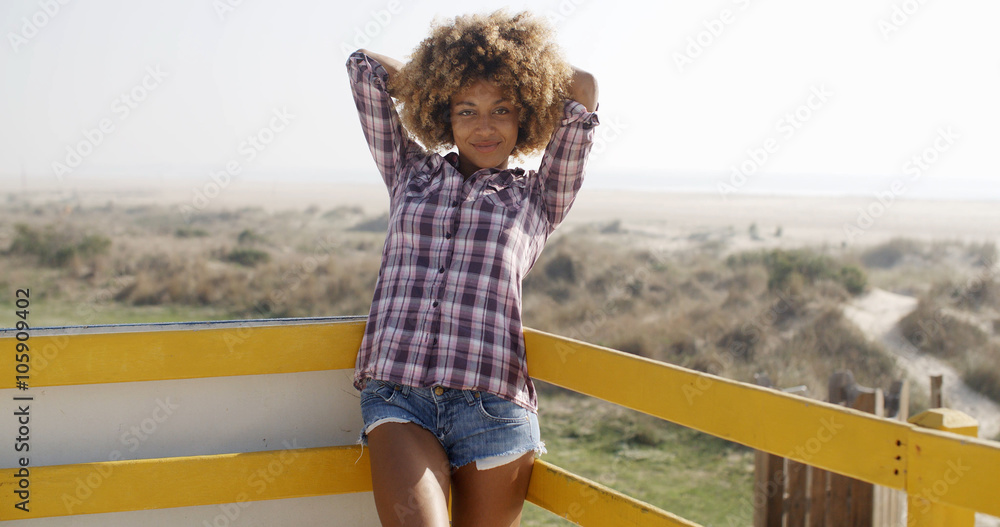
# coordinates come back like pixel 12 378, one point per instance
pixel 904 456
pixel 788 493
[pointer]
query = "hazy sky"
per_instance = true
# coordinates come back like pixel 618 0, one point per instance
pixel 829 89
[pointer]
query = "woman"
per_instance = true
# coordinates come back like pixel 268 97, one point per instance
pixel 449 409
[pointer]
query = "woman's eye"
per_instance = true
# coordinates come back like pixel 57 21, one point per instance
pixel 502 111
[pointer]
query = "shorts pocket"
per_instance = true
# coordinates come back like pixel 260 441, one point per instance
pixel 379 391
pixel 496 408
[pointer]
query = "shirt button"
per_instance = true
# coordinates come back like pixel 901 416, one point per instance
pixel 434 303
pixel 438 390
pixel 441 270
pixel 447 235
pixel 454 203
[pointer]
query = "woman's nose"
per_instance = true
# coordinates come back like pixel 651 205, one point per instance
pixel 485 122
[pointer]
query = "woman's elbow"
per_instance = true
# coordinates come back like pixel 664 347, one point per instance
pixel 584 89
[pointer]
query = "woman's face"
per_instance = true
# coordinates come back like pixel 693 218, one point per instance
pixel 484 125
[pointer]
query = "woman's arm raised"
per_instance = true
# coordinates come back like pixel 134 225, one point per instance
pixel 583 89
pixel 391 65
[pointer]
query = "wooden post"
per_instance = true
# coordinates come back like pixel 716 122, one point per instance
pixel 888 503
pixel 769 484
pixel 936 383
pixel 818 484
pixel 862 493
pixel 797 503
pixel 921 509
pixel 837 511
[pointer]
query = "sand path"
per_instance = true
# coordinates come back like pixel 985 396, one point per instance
pixel 877 314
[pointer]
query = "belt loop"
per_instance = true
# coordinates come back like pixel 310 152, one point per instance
pixel 470 396
pixel 405 390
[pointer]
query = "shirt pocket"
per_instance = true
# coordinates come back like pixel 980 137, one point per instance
pixel 504 196
pixel 421 186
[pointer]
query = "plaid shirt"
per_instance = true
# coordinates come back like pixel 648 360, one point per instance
pixel 447 303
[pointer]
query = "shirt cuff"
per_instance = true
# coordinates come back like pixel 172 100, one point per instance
pixel 576 112
pixel 370 69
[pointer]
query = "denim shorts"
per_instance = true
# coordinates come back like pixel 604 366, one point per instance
pixel 471 425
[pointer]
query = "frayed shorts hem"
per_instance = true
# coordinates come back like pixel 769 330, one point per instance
pixel 472 426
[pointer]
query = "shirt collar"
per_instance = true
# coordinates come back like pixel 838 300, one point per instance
pixel 505 175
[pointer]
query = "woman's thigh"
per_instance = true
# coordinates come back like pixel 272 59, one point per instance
pixel 411 475
pixel 493 497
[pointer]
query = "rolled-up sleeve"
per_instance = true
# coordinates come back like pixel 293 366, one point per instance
pixel 564 161
pixel 389 144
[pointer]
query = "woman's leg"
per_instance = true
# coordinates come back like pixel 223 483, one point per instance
pixel 493 497
pixel 410 476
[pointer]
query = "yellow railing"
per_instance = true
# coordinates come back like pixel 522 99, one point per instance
pixel 897 455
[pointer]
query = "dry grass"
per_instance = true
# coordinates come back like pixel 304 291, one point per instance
pixel 774 312
pixel 733 319
pixel 957 323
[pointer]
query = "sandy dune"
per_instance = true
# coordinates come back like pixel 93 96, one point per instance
pixel 877 314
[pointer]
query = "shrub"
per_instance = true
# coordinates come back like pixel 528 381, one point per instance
pixel 56 247
pixel 786 269
pixel 561 268
pixel 853 279
pixel 985 381
pixel 832 342
pixel 931 330
pixel 983 254
pixel 248 237
pixel 740 344
pixel 190 232
pixel 379 224
pixel 247 257
pixel 890 253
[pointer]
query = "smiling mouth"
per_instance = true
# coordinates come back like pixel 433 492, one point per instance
pixel 485 147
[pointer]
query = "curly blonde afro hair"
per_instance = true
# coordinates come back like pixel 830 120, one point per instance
pixel 517 52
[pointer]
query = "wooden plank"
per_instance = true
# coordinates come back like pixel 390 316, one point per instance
pixel 115 486
pixel 819 482
pixel 763 506
pixel 797 492
pixel 761 462
pixel 895 500
pixel 904 401
pixel 862 503
pixel 185 351
pixel 587 503
pixel 838 507
pixel 775 490
pixel 937 382
pixel 838 386
pixel 862 493
pixel 808 431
